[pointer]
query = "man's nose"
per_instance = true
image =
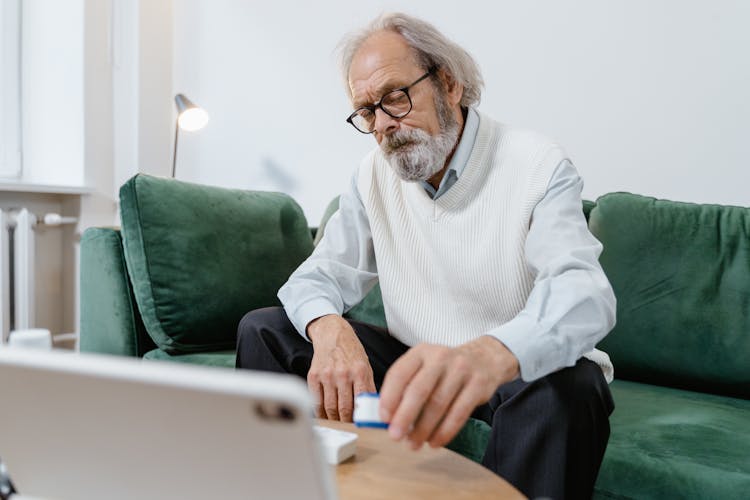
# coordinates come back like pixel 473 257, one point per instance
pixel 385 124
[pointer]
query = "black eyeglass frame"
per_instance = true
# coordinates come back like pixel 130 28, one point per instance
pixel 374 107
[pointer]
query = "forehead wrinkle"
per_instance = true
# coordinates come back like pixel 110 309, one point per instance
pixel 384 77
pixel 386 60
pixel 380 90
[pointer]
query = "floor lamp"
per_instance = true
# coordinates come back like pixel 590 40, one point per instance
pixel 189 117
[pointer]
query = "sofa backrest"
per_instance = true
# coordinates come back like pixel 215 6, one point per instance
pixel 200 257
pixel 681 274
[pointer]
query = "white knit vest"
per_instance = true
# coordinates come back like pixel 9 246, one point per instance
pixel 454 268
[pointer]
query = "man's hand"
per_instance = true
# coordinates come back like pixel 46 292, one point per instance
pixel 339 369
pixel 430 392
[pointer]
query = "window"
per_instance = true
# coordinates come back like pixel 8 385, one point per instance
pixel 10 95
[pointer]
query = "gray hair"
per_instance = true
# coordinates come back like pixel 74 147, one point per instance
pixel 432 48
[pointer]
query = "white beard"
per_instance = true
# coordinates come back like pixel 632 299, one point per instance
pixel 416 155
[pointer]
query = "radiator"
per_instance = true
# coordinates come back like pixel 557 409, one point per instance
pixel 17 262
pixel 17 270
pixel 4 276
pixel 22 259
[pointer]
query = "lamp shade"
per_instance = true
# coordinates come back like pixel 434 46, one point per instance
pixel 189 116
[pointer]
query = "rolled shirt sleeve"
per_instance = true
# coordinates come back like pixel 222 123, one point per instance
pixel 571 306
pixel 340 271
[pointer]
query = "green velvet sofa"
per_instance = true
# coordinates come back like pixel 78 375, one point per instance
pixel 190 260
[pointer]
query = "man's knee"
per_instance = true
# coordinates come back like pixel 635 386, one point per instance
pixel 258 320
pixel 582 388
pixel 251 329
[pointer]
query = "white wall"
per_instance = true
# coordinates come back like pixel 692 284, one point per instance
pixel 98 208
pixel 649 97
pixel 141 84
pixel 155 124
pixel 10 117
pixel 52 92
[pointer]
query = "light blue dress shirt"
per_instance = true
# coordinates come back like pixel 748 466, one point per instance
pixel 460 157
pixel 571 306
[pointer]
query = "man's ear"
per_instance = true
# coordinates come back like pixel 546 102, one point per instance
pixel 454 90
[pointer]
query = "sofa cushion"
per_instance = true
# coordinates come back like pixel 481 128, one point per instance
pixel 588 206
pixel 681 274
pixel 670 443
pixel 471 441
pixel 212 358
pixel 200 257
pixel 331 209
pixel 370 309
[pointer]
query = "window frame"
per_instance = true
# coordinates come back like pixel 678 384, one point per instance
pixel 10 89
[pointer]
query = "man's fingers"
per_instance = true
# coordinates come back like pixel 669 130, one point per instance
pixel 436 407
pixel 457 415
pixel 396 379
pixel 364 382
pixel 316 390
pixel 345 403
pixel 330 401
pixel 418 390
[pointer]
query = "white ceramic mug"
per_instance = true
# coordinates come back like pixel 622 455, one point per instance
pixel 31 338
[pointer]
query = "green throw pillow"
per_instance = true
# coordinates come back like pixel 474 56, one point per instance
pixel 681 274
pixel 200 257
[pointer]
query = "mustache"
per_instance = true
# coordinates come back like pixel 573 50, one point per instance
pixel 399 140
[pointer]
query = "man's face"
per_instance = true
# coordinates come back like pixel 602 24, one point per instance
pixel 418 144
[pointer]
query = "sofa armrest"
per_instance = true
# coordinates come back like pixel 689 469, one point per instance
pixel 110 322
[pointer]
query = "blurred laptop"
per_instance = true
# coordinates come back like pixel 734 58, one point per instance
pixel 91 427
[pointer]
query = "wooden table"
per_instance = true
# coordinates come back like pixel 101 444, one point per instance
pixel 382 468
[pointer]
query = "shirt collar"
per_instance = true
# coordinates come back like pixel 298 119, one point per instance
pixel 460 156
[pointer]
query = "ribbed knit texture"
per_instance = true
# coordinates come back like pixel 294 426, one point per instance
pixel 453 268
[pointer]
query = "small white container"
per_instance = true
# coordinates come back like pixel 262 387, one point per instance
pixel 31 338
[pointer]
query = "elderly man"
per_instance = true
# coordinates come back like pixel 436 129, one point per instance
pixel 493 294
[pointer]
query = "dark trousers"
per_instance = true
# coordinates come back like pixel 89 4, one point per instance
pixel 548 436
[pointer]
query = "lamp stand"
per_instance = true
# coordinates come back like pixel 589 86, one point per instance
pixel 174 153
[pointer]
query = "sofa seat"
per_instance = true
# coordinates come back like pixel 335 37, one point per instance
pixel 670 443
pixel 208 358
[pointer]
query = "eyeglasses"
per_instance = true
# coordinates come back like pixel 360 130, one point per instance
pixel 395 103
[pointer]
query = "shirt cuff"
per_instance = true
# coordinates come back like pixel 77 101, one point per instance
pixel 518 336
pixel 308 311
